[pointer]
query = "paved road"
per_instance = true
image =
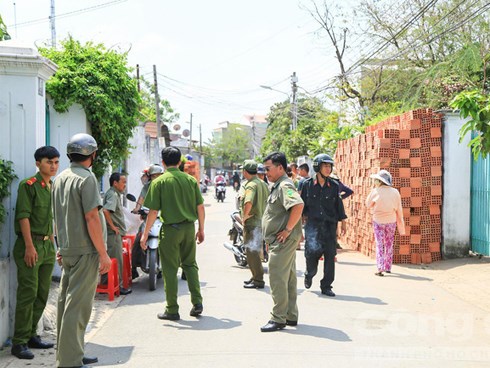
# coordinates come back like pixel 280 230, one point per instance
pixel 412 318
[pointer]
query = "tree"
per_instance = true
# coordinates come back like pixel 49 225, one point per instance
pixel 147 109
pixel 234 146
pixel 3 31
pixel 100 81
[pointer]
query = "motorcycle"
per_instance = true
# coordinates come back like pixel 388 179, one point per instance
pixel 220 192
pixel 236 246
pixel 203 186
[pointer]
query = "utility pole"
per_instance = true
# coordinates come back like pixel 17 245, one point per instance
pixel 53 27
pixel 15 20
pixel 294 105
pixel 190 135
pixel 157 102
pixel 138 76
pixel 200 139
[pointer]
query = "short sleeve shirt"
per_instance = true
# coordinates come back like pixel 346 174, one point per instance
pixel 34 203
pixel 255 192
pixel 282 198
pixel 176 195
pixel 75 193
pixel 112 203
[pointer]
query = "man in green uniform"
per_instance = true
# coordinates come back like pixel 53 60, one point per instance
pixel 281 227
pixel 116 226
pixel 177 195
pixel 252 205
pixel 80 230
pixel 34 252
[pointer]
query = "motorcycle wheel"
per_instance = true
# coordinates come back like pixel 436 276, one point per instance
pixel 238 241
pixel 153 269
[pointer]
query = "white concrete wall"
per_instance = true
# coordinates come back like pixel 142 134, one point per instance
pixel 141 157
pixel 456 205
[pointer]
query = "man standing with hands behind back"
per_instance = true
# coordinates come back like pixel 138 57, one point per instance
pixel 34 252
pixel 80 226
pixel 281 227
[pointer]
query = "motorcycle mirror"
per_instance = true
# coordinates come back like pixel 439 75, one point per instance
pixel 131 197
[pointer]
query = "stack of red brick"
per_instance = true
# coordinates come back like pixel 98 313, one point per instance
pixel 409 147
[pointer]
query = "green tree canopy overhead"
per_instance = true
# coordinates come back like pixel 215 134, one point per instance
pixel 100 81
pixel 3 31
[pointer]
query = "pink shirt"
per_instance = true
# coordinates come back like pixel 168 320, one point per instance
pixel 385 204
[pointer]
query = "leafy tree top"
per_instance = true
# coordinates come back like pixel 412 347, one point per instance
pixel 100 81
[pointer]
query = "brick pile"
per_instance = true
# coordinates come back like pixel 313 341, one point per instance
pixel 408 146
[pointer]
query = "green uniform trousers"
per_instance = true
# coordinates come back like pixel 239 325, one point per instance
pixel 33 287
pixel 77 291
pixel 283 281
pixel 252 239
pixel 114 250
pixel 177 248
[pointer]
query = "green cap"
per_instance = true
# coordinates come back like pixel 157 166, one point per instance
pixel 249 166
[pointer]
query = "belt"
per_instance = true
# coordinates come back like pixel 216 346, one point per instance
pixel 40 237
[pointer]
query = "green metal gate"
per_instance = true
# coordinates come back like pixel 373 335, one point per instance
pixel 480 206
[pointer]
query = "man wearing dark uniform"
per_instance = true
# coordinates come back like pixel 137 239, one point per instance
pixel 34 252
pixel 281 227
pixel 323 210
pixel 178 198
pixel 80 226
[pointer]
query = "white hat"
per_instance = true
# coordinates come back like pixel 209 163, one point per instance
pixel 383 176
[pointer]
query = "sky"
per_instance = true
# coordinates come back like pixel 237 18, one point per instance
pixel 211 56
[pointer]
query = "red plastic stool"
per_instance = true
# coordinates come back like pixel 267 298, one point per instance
pixel 126 274
pixel 112 287
pixel 131 238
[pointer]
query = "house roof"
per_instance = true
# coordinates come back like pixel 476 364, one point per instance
pixel 151 129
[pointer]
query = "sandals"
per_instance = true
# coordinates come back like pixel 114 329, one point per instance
pixel 379 274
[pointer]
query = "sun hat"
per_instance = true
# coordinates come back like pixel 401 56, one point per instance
pixel 383 176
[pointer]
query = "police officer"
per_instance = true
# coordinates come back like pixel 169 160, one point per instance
pixel 34 252
pixel 116 226
pixel 281 227
pixel 261 173
pixel 80 229
pixel 252 206
pixel 177 195
pixel 322 212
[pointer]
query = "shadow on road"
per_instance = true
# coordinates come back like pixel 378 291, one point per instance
pixel 356 264
pixel 319 331
pixel 352 298
pixel 205 323
pixel 109 356
pixel 408 277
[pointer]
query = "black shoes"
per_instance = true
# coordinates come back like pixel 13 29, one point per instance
pixel 254 285
pixel 124 291
pixel 196 310
pixel 89 360
pixel 169 316
pixel 291 323
pixel 307 282
pixel 328 292
pixel 134 274
pixel 272 326
pixel 35 342
pixel 246 282
pixel 22 352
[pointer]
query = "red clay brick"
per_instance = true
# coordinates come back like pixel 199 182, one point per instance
pixel 415 162
pixel 415 258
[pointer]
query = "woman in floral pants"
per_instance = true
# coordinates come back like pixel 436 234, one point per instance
pixel 385 204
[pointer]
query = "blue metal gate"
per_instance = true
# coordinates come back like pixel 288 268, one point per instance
pixel 480 206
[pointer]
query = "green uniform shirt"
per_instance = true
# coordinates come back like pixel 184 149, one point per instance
pixel 176 194
pixel 255 192
pixel 276 215
pixel 112 203
pixel 34 203
pixel 75 193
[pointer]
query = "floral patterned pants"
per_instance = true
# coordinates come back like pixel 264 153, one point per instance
pixel 384 235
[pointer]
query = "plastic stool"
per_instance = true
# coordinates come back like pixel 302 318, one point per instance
pixel 126 274
pixel 131 238
pixel 112 287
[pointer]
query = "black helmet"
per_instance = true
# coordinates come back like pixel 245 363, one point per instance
pixel 322 157
pixel 82 144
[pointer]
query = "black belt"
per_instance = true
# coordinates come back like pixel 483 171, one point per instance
pixel 40 237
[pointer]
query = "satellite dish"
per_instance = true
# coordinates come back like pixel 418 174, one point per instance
pixel 186 133
pixel 176 127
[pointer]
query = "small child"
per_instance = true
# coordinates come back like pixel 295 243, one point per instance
pixel 385 204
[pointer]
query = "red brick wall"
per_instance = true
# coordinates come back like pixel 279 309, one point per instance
pixel 409 147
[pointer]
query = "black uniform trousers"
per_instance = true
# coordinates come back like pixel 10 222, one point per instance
pixel 321 240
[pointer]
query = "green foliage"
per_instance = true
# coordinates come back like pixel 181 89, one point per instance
pixel 233 147
pixel 475 105
pixel 99 80
pixel 3 31
pixel 147 107
pixel 7 175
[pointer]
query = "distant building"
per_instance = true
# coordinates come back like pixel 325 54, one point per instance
pixel 258 127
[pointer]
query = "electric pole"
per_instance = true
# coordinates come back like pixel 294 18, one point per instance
pixel 157 102
pixel 190 135
pixel 294 106
pixel 53 27
pixel 138 76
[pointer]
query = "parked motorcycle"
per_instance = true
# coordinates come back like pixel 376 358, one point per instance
pixel 220 192
pixel 236 246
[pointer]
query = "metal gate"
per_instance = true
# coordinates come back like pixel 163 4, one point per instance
pixel 480 206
